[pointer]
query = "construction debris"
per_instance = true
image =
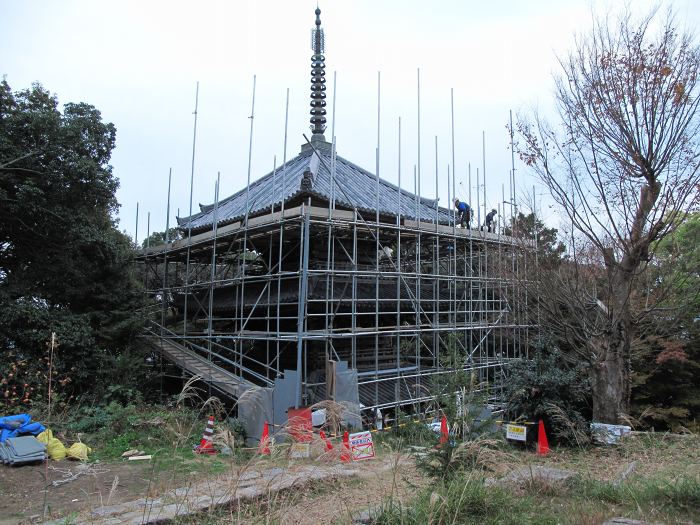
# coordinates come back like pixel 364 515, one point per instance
pixel 132 452
pixel 69 475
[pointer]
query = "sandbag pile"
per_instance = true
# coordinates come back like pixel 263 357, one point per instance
pixel 21 450
pixel 54 446
pixel 58 451
pixel 16 448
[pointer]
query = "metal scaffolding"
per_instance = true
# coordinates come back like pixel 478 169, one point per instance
pixel 299 288
pixel 321 268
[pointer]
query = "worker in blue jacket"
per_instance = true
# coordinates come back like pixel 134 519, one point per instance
pixel 464 213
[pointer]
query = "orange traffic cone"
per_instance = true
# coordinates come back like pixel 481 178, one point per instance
pixel 345 454
pixel 444 434
pixel 327 441
pixel 205 445
pixel 542 443
pixel 264 448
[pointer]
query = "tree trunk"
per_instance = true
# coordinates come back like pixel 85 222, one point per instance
pixel 609 384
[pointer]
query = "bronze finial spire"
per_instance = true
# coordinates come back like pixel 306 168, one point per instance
pixel 318 81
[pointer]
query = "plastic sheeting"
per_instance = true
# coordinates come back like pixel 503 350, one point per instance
pixel 12 426
pixel 347 393
pixel 23 449
pixel 254 408
pixel 258 405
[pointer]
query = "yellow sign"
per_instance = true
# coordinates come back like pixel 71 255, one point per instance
pixel 299 451
pixel 516 432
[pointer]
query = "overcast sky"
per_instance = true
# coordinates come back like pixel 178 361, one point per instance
pixel 138 62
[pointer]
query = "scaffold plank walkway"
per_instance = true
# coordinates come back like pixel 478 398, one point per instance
pixel 195 364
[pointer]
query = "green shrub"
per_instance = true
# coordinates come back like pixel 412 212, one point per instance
pixel 547 387
pixel 90 419
pixel 453 458
pixel 237 427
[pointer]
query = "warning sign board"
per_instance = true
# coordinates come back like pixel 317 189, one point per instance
pixel 361 446
pixel 516 432
pixel 299 451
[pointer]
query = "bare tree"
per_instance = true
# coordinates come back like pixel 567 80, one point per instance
pixel 624 165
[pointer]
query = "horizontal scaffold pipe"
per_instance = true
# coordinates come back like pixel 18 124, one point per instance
pixel 425 229
pixel 342 218
pixel 348 333
pixel 424 276
pixel 224 233
pixel 495 363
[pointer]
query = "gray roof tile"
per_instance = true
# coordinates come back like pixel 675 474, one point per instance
pixel 355 188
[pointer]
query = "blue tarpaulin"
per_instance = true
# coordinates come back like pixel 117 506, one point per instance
pixel 12 426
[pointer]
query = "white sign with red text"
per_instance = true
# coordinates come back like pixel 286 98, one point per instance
pixel 361 446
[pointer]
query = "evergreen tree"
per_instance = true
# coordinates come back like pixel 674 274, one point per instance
pixel 64 266
pixel 528 227
pixel 666 358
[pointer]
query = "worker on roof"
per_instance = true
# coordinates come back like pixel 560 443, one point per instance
pixel 489 221
pixel 464 213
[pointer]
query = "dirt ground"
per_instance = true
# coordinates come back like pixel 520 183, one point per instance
pixel 332 500
pixel 25 490
pixel 395 477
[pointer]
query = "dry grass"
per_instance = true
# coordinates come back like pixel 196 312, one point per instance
pixel 665 487
pixel 392 480
pixel 658 454
pixel 396 483
pixel 335 412
pixel 579 435
pixel 334 500
pixel 482 453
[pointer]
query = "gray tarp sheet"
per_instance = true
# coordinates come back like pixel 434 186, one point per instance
pixel 25 449
pixel 254 408
pixel 258 405
pixel 347 393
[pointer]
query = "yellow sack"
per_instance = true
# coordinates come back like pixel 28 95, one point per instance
pixel 45 436
pixel 78 451
pixel 56 449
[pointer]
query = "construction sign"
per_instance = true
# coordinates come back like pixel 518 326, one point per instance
pixel 300 450
pixel 516 432
pixel 361 446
